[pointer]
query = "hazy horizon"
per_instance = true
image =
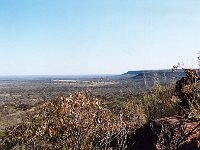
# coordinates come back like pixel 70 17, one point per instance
pixel 97 37
pixel 109 74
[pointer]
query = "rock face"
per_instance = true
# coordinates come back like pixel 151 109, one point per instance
pixel 166 134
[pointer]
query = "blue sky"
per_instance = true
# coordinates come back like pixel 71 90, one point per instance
pixel 55 37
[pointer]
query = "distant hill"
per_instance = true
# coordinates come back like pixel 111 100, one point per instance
pixel 164 76
pixel 151 71
pixel 134 72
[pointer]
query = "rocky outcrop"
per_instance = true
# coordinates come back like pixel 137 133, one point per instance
pixel 167 134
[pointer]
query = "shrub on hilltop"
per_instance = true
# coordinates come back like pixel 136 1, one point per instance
pixel 78 121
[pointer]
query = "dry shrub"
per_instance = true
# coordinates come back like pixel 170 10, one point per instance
pixel 134 113
pixel 78 121
pixel 157 103
pixel 153 104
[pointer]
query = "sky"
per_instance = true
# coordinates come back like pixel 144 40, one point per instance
pixel 78 37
